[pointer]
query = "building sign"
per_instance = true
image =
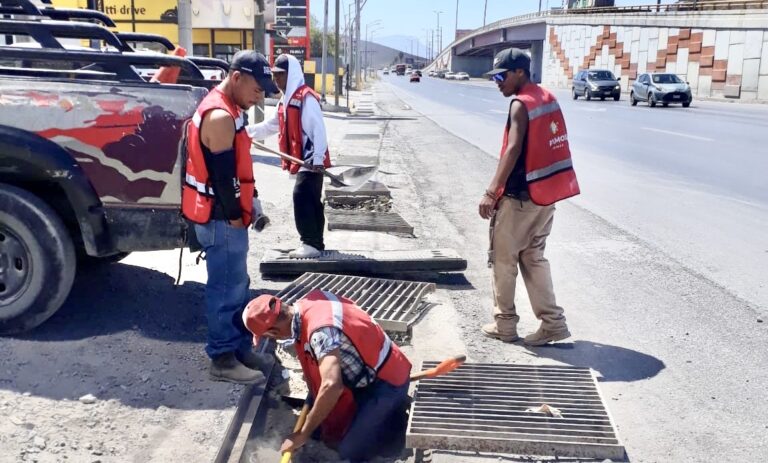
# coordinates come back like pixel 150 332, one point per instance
pixel 151 11
pixel 298 52
pixel 292 20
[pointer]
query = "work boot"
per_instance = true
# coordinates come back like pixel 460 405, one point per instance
pixel 255 361
pixel 226 367
pixel 544 336
pixel 492 331
pixel 304 251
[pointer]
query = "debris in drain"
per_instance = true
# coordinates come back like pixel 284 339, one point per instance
pixel 547 410
pixel 364 203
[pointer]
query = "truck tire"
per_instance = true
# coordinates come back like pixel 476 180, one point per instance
pixel 37 260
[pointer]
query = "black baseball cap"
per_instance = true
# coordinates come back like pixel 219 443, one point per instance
pixel 256 65
pixel 509 60
pixel 281 63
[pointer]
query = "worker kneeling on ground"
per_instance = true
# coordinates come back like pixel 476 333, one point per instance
pixel 357 377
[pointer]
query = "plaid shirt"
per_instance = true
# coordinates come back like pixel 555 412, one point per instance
pixel 355 372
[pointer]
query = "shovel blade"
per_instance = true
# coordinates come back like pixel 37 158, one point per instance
pixel 351 177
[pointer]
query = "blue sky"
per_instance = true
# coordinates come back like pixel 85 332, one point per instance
pixel 411 17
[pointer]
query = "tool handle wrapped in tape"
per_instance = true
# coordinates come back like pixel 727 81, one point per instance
pixel 259 221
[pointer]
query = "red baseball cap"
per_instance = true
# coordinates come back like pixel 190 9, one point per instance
pixel 261 313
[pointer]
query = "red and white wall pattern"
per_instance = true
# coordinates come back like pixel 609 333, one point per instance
pixel 716 62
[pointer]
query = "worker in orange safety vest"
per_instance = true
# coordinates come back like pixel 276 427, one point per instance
pixel 357 377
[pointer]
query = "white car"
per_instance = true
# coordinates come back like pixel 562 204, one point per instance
pixel 450 76
pixel 461 76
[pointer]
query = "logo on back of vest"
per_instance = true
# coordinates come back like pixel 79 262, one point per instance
pixel 553 127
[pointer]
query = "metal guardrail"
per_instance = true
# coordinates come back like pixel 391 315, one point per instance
pixel 681 7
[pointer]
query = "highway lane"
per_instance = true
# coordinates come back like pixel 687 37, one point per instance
pixel 691 182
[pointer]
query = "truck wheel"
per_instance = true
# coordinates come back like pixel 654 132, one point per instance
pixel 37 260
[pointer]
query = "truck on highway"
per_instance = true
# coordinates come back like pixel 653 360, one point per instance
pixel 91 155
pixel 400 69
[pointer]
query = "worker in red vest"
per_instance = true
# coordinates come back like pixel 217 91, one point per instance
pixel 534 171
pixel 357 377
pixel 217 196
pixel 299 124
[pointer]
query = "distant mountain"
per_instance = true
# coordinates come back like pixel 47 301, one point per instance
pixel 403 43
pixel 381 55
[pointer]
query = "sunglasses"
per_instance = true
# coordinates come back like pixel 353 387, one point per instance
pixel 500 77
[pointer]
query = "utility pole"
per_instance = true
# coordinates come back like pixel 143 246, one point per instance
pixel 325 51
pixel 185 24
pixel 456 27
pixel 336 59
pixel 485 10
pixel 358 82
pixel 439 40
pixel 259 30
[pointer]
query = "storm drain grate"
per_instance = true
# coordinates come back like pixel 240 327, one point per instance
pixel 489 408
pixel 361 136
pixel 368 221
pixel 277 262
pixel 394 304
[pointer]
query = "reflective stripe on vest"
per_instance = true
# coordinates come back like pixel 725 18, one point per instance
pixel 551 169
pixel 543 110
pixel 199 186
pixel 338 322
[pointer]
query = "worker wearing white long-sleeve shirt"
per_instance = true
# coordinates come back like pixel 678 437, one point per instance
pixel 299 124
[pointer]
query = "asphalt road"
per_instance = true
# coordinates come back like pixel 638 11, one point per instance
pixel 691 182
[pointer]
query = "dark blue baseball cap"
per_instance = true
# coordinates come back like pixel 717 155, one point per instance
pixel 256 65
pixel 510 60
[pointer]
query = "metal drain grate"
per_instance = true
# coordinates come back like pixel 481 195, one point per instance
pixel 277 262
pixel 483 407
pixel 361 136
pixel 394 304
pixel 368 221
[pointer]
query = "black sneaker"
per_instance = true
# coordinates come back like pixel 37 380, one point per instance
pixel 226 367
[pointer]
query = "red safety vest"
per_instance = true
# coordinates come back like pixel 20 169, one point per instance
pixel 548 165
pixel 322 309
pixel 289 138
pixel 197 195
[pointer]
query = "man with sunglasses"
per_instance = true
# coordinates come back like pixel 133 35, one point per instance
pixel 534 171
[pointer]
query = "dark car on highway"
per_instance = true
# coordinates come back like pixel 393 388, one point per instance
pixel 664 88
pixel 596 83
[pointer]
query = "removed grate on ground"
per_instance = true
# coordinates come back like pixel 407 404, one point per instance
pixel 368 221
pixel 277 262
pixel 370 188
pixel 394 304
pixel 489 408
pixel 361 136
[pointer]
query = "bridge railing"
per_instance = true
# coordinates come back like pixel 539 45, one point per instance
pixel 691 5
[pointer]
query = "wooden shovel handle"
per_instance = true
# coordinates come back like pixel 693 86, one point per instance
pixel 299 424
pixel 278 153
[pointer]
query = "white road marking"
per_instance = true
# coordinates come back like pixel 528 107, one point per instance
pixel 489 101
pixel 461 95
pixel 497 111
pixel 669 132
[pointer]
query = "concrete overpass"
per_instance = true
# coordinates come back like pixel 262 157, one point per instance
pixel 720 46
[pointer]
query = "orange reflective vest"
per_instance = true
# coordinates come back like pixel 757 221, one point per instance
pixel 289 138
pixel 197 194
pixel 321 309
pixel 548 166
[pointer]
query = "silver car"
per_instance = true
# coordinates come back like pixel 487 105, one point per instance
pixel 662 87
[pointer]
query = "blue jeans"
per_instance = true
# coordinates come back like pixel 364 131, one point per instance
pixel 380 420
pixel 226 291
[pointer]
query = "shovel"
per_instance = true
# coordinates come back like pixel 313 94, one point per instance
pixel 352 177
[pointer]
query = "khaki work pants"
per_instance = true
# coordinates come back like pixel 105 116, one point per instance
pixel 519 233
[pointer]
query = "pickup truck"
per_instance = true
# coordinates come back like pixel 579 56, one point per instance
pixel 91 155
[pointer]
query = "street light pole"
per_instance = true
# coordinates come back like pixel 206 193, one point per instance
pixel 325 51
pixel 336 61
pixel 439 39
pixel 358 82
pixel 485 10
pixel 456 27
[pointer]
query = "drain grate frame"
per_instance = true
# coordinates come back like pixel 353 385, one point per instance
pixel 482 407
pixel 369 188
pixel 394 304
pixel 277 262
pixel 368 221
